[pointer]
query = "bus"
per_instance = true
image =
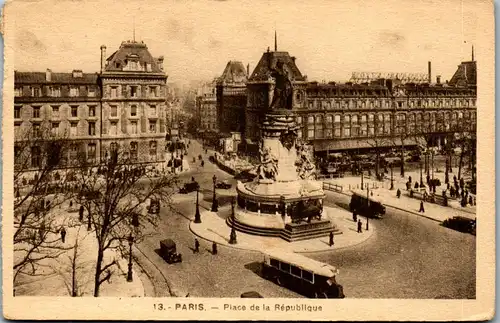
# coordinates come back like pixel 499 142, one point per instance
pixel 369 206
pixel 304 275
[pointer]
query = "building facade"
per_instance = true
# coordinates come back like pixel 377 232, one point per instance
pixel 232 98
pixel 122 107
pixel 378 113
pixel 206 109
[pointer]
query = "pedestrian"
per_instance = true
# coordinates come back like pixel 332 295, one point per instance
pixel 428 179
pixel 63 234
pixel 192 179
pixel 398 193
pixel 331 239
pixel 214 248
pixel 81 213
pixel 421 207
pixel 360 230
pixel 409 179
pixel 416 184
pixel 470 199
pixel 196 246
pixel 408 185
pixel 354 216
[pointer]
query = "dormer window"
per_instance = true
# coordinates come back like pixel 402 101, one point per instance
pixel 35 92
pixel 18 91
pixel 74 91
pixel 133 92
pixel 133 111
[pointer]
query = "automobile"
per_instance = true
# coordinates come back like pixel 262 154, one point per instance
pixel 461 223
pixel 223 185
pixel 366 205
pixel 189 187
pixel 251 294
pixel 168 251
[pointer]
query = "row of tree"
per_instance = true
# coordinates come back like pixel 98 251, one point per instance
pixel 114 193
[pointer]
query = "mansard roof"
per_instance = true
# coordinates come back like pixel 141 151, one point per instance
pixel 269 59
pixel 233 73
pixel 465 75
pixel 76 77
pixel 132 50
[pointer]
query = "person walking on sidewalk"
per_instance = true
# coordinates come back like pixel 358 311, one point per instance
pixel 421 207
pixel 214 248
pixel 331 239
pixel 63 235
pixel 196 246
pixel 80 217
pixel 360 230
pixel 398 193
pixel 354 216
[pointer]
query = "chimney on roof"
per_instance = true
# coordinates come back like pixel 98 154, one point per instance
pixel 77 73
pixel 293 59
pixel 48 75
pixel 438 79
pixel 103 58
pixel 159 61
pixel 429 72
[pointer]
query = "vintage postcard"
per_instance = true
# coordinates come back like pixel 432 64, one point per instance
pixel 248 160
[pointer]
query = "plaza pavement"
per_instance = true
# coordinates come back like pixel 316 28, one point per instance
pixel 53 276
pixel 215 229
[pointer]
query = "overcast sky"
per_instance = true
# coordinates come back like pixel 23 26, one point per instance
pixel 330 39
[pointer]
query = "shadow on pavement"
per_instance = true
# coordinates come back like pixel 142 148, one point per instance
pixel 255 267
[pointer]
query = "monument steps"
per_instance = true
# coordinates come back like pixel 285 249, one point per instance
pixel 266 232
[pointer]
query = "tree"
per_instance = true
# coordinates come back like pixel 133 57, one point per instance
pixel 39 189
pixel 376 143
pixel 115 192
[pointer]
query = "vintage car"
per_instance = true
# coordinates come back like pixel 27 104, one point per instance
pixel 461 224
pixel 189 187
pixel 368 206
pixel 251 294
pixel 168 251
pixel 223 185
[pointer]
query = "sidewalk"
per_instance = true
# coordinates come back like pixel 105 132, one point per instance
pixel 215 229
pixel 54 276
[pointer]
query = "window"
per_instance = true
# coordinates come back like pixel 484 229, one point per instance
pixel 152 110
pixel 133 126
pixel 114 110
pixel 113 128
pixel 274 263
pixel 91 128
pixel 18 91
pixel 296 271
pixel 310 132
pixel 319 127
pixel 91 151
pixel 36 112
pixel 17 129
pixel 133 92
pixel 152 150
pixel 354 126
pixel 74 91
pixel 35 92
pixel 299 120
pixel 17 112
pixel 285 267
pixel 153 91
pixel 133 111
pixel 73 129
pixel 310 120
pixel 91 92
pixel 55 91
pixel 55 128
pixel 74 111
pixel 92 111
pixel 307 275
pixel 35 156
pixel 152 126
pixel 55 112
pixel 36 130
pixel 133 150
pixel 113 147
pixel 73 153
pixel 114 91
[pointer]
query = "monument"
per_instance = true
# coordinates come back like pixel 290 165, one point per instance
pixel 284 200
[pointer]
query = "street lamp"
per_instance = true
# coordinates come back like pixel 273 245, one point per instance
pixel 232 237
pixel 197 216
pixel 367 202
pixel 214 201
pixel 361 178
pixel 421 178
pixel 392 180
pixel 130 243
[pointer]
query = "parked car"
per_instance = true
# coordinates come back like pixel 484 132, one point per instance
pixel 168 251
pixel 223 185
pixel 189 187
pixel 461 224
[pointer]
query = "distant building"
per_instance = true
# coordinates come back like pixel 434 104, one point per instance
pixel 232 98
pixel 122 107
pixel 206 110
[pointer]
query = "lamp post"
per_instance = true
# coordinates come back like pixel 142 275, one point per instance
pixel 392 179
pixel 214 201
pixel 130 243
pixel 432 163
pixel 197 216
pixel 232 237
pixel 421 178
pixel 367 202
pixel 361 178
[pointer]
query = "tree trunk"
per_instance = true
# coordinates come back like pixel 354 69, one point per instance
pixel 97 278
pixel 377 163
pixel 460 164
pixel 402 160
pixel 74 287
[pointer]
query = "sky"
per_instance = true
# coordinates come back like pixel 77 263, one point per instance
pixel 331 39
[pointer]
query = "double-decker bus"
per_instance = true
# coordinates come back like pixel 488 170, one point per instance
pixel 304 275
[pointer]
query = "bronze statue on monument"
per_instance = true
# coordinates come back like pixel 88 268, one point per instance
pixel 283 88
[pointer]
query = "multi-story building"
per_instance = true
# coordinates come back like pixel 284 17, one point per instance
pixel 378 113
pixel 133 102
pixel 57 105
pixel 122 107
pixel 232 98
pixel 206 110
